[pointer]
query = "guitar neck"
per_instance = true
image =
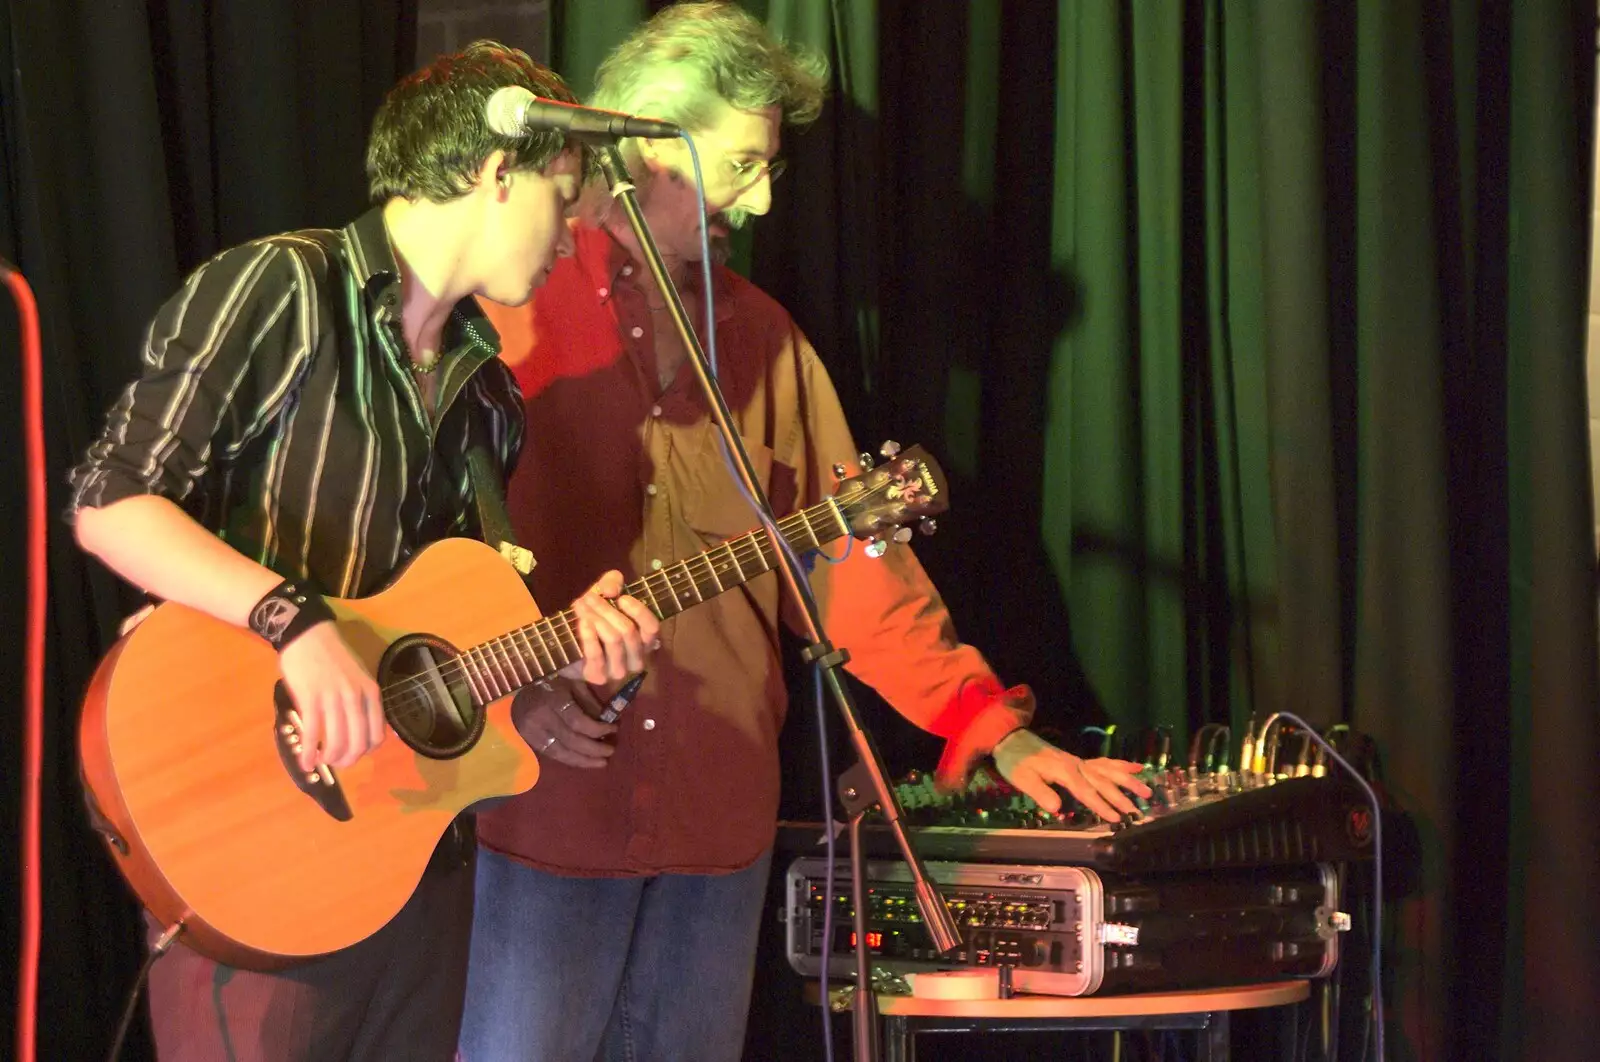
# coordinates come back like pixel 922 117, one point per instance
pixel 511 661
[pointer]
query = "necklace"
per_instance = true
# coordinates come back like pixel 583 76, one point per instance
pixel 431 358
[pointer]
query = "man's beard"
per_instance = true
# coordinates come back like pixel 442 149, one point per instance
pixel 721 246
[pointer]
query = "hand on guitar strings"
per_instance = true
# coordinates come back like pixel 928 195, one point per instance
pixel 1032 764
pixel 615 631
pixel 557 718
pixel 341 711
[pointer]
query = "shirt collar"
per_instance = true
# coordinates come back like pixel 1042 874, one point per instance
pixel 371 257
pixel 378 272
pixel 603 259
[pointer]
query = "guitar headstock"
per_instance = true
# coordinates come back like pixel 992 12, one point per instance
pixel 909 486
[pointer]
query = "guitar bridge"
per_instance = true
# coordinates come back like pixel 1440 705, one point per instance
pixel 321 785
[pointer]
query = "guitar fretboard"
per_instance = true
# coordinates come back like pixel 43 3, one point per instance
pixel 511 661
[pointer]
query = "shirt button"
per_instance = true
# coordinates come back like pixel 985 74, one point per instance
pixel 655 565
pixel 637 333
pixel 627 270
pixel 650 489
pixel 655 411
pixel 649 724
pixel 603 292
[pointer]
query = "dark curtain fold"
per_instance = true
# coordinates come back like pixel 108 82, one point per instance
pixel 139 139
pixel 1251 334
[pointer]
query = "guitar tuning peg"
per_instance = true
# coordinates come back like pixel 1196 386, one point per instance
pixel 866 461
pixel 839 470
pixel 877 548
pixel 928 525
pixel 889 449
pixel 902 534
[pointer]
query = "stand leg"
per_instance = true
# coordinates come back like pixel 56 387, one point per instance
pixel 865 1006
pixel 1214 1041
pixel 898 1043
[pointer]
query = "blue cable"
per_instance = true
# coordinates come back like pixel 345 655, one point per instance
pixel 783 544
pixel 705 255
pixel 1377 880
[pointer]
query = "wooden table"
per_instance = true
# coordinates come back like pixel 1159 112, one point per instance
pixel 1205 1010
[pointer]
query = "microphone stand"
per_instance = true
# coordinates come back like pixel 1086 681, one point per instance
pixel 866 784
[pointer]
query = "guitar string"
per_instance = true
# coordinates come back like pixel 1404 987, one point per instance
pixel 411 696
pixel 745 548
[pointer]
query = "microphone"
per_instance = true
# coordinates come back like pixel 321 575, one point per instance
pixel 514 111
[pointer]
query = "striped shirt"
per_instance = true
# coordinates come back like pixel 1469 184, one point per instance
pixel 277 406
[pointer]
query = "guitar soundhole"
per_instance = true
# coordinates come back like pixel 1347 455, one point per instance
pixel 427 697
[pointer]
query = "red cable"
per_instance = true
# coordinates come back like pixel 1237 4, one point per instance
pixel 33 663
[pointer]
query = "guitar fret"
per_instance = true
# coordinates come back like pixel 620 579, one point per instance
pixel 758 542
pixel 509 663
pixel 531 649
pixel 495 678
pixel 502 666
pixel 734 557
pixel 507 646
pixel 550 634
pixel 838 517
pixel 663 611
pixel 677 603
pixel 474 674
pixel 540 651
pixel 805 517
pixel 544 645
pixel 643 586
pixel 569 635
pixel 711 568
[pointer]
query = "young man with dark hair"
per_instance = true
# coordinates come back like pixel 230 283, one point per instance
pixel 299 426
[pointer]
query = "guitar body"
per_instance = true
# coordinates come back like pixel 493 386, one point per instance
pixel 187 735
pixel 183 752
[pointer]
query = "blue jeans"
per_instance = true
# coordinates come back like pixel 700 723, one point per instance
pixel 653 969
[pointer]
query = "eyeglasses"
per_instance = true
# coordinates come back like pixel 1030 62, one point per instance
pixel 748 171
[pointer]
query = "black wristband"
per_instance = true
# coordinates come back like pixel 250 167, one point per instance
pixel 287 612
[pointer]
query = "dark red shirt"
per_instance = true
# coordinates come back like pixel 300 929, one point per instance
pixel 618 473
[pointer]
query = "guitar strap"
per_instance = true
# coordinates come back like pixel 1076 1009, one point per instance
pixel 494 523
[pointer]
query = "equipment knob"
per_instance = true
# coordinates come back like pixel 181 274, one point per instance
pixel 866 461
pixel 877 548
pixel 889 449
pixel 928 525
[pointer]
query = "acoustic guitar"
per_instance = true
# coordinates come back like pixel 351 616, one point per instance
pixel 187 735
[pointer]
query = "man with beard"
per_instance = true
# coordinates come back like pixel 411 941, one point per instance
pixel 618 902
